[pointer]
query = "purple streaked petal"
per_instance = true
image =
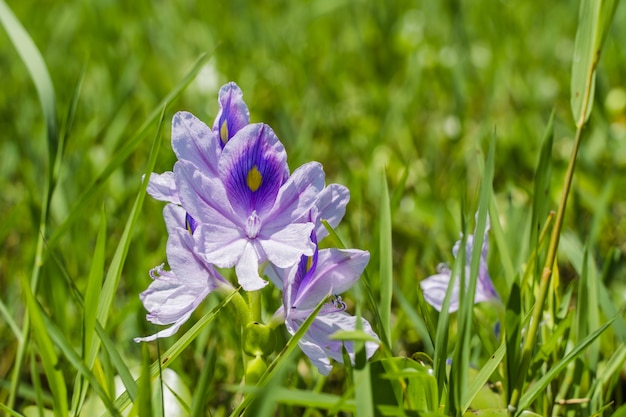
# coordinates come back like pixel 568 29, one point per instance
pixel 193 141
pixel 297 196
pixel 221 245
pixel 284 247
pixel 233 114
pixel 337 270
pixel 203 197
pixel 247 269
pixel 163 188
pixel 252 167
pixel 330 206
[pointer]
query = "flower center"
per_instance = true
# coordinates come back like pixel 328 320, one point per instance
pixel 254 179
pixel 224 131
pixel 253 225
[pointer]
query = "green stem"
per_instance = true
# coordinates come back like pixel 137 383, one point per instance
pixel 255 303
pixel 243 311
pixel 546 276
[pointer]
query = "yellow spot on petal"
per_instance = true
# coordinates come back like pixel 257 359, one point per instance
pixel 254 179
pixel 224 132
pixel 309 263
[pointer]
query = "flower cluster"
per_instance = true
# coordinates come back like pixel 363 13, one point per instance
pixel 234 203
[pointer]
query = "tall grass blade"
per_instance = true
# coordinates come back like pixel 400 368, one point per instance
pixel 461 361
pixel 541 191
pixel 594 20
pixel 483 376
pixel 386 261
pixel 539 387
pixel 92 293
pixel 47 351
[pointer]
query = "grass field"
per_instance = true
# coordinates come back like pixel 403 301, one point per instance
pixel 401 102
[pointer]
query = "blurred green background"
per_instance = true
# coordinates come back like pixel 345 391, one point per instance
pixel 415 88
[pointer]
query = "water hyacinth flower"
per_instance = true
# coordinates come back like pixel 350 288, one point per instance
pixel 194 141
pixel 328 271
pixel 435 287
pixel 173 295
pixel 253 210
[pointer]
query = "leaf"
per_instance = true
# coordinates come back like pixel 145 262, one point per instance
pixel 47 351
pixel 386 261
pixel 483 375
pixel 594 20
pixel 538 387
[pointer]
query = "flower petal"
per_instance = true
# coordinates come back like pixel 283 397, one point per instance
pixel 193 141
pixel 337 271
pixel 317 345
pixel 162 187
pixel 247 269
pixel 170 300
pixel 297 196
pixel 330 206
pixel 435 287
pixel 233 114
pixel 203 197
pixel 221 245
pixel 284 247
pixel 252 167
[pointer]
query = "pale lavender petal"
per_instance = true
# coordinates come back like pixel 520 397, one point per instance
pixel 188 265
pixel 247 269
pixel 233 114
pixel 163 188
pixel 275 274
pixel 330 206
pixel 170 301
pixel 284 247
pixel 203 197
pixel 317 345
pixel 252 168
pixel 174 217
pixel 435 287
pixel 297 196
pixel 220 245
pixel 337 270
pixel 193 141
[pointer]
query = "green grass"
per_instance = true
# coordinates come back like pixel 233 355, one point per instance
pixel 401 102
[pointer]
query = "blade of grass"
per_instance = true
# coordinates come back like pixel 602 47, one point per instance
pixel 94 285
pixel 48 354
pixel 386 260
pixel 594 20
pixel 114 273
pixel 538 387
pixel 483 375
pixel 461 362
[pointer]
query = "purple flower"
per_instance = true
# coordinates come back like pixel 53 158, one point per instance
pixel 435 287
pixel 328 271
pixel 253 210
pixel 173 295
pixel 193 141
